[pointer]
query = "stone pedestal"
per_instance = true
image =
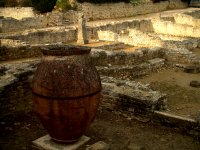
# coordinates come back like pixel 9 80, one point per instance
pixel 82 31
pixel 45 143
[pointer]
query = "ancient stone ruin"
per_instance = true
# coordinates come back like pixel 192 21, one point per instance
pixel 148 60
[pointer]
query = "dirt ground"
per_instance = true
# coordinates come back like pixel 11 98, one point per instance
pixel 183 99
pixel 118 129
pixel 196 51
pixel 115 128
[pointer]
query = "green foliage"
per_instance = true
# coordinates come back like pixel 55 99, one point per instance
pixel 135 1
pixel 26 3
pixel 103 1
pixel 2 3
pixel 44 5
pixel 116 1
pixel 10 3
pixel 63 4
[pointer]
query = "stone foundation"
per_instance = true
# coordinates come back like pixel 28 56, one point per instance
pixel 15 81
pixel 16 19
pixel 44 36
pixel 127 95
pixel 15 87
pixel 192 18
pixel 52 19
pixel 170 28
pixel 119 10
pixel 17 12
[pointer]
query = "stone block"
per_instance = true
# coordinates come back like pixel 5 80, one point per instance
pixel 174 121
pixel 46 143
pixel 195 83
pixel 130 94
pixel 99 146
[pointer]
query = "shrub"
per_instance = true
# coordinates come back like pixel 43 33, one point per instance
pixel 10 3
pixel 26 3
pixel 63 4
pixel 44 5
pixel 2 3
pixel 103 1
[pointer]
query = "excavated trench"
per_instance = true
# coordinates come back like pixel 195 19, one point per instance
pixel 125 118
pixel 147 102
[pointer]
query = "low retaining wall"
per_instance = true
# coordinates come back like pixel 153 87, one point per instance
pixel 105 57
pixel 119 27
pixel 170 28
pixel 38 21
pixel 187 19
pixel 23 18
pixel 44 36
pixel 15 88
pixel 17 12
pixel 18 53
pixel 62 34
pixel 119 10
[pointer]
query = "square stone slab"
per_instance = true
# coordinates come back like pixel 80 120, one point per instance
pixel 45 143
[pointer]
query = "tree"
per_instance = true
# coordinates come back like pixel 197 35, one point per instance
pixel 44 5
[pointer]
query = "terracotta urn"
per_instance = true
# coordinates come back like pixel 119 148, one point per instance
pixel 66 92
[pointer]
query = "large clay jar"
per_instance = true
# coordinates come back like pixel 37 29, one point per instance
pixel 66 92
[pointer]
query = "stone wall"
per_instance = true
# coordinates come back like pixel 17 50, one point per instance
pixel 50 36
pixel 170 28
pixel 131 96
pixel 131 37
pixel 102 57
pixel 44 36
pixel 182 57
pixel 15 87
pixel 39 21
pixel 63 34
pixel 25 18
pixel 118 28
pixel 13 25
pixel 187 19
pixel 119 10
pixel 17 12
pixel 11 53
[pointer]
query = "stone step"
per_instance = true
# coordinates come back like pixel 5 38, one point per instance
pixel 129 56
pixel 132 36
pixel 175 42
pixel 176 49
pixel 166 118
pixel 140 38
pixel 131 95
pixel 13 43
pixel 132 71
pixel 188 18
pixel 189 68
pixel 171 28
pixel 43 36
pixel 182 56
pixel 106 45
pixel 18 51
